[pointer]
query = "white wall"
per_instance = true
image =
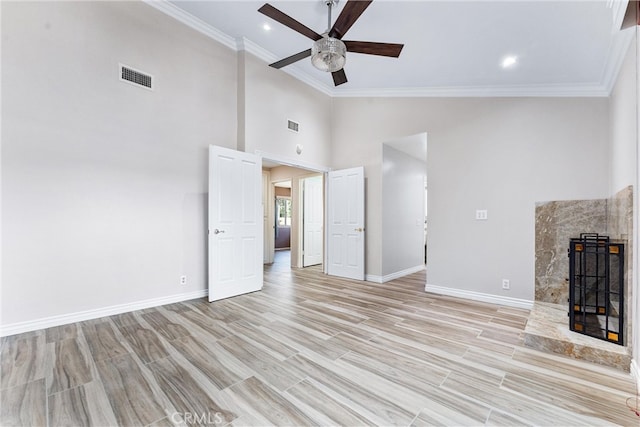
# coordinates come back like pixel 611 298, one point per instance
pixel 271 98
pixel 623 112
pixel 499 154
pixel 624 122
pixel 104 184
pixel 624 117
pixel 402 211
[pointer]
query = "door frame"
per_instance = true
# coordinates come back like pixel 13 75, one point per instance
pixel 313 168
pixel 268 238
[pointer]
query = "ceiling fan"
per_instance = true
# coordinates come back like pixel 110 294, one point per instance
pixel 328 52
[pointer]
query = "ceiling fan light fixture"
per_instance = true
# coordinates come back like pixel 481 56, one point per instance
pixel 328 54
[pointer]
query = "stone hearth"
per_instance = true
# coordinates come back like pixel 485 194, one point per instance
pixel 556 222
pixel 548 329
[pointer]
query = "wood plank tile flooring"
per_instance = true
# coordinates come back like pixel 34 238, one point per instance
pixel 306 350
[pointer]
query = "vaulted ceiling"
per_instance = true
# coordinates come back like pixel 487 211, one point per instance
pixel 452 48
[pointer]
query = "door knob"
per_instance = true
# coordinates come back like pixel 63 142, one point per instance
pixel 216 231
pixel 359 230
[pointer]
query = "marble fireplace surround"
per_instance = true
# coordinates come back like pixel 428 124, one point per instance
pixel 556 223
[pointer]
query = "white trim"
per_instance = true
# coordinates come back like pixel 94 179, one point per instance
pixel 617 53
pixel 257 51
pixel 268 57
pixel 191 21
pixel 398 274
pixel 619 8
pixel 635 373
pixel 551 91
pixel 596 89
pixel 64 319
pixel 288 161
pixel 478 296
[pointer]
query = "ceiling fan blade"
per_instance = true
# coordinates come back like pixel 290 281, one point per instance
pixel 288 21
pixel 339 77
pixel 373 48
pixel 349 15
pixel 291 59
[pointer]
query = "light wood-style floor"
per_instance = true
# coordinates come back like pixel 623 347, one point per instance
pixel 307 350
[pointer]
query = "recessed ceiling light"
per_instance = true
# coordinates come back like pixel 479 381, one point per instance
pixel 266 27
pixel 509 61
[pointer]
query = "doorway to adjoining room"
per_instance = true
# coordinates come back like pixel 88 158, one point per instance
pixel 404 206
pixel 293 200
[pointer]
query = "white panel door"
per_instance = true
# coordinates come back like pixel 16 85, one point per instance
pixel 312 221
pixel 345 233
pixel 235 223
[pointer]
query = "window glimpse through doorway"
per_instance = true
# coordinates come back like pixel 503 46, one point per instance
pixel 283 216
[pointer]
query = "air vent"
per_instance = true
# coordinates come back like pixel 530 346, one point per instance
pixel 293 126
pixel 136 77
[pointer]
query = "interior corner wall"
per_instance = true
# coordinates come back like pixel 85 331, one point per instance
pixel 623 117
pixel 104 184
pixel 271 98
pixel 402 211
pixel 623 113
pixel 498 154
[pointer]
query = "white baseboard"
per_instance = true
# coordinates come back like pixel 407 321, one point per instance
pixel 373 278
pixel 64 319
pixel 478 296
pixel 635 372
pixel 393 276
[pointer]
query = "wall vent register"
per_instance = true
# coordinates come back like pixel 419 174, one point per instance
pixel 596 287
pixel 293 126
pixel 136 77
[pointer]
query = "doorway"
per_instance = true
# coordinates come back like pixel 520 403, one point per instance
pixel 235 236
pixel 294 223
pixel 404 206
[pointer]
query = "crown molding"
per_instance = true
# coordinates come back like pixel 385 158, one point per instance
pixel 617 53
pixel 603 88
pixel 268 57
pixel 551 91
pixel 240 44
pixel 191 21
pixel 257 51
pixel 619 8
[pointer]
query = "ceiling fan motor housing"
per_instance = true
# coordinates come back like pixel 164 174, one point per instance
pixel 328 54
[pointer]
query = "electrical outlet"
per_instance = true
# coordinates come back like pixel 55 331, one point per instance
pixel 505 284
pixel 481 214
pixel 183 280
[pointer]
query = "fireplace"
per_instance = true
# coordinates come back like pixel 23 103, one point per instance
pixel 547 329
pixel 596 287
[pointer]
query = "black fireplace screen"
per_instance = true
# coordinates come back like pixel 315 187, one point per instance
pixel 596 287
